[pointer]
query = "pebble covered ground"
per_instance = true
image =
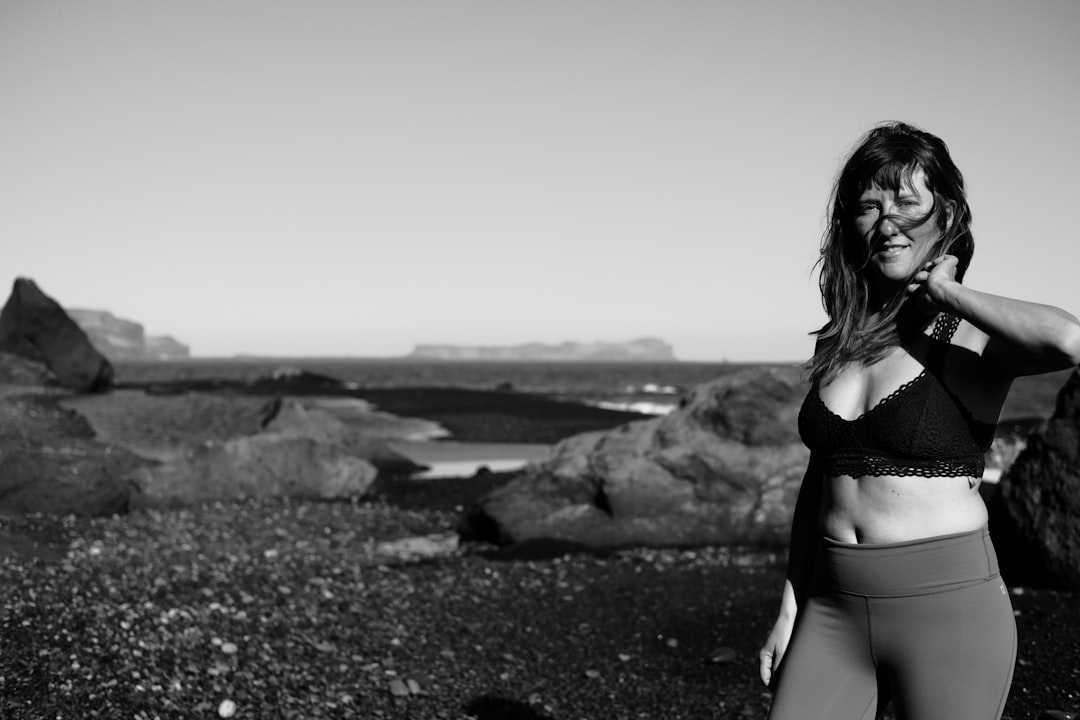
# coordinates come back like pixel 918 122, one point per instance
pixel 286 609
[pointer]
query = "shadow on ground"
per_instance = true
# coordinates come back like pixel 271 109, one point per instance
pixel 487 707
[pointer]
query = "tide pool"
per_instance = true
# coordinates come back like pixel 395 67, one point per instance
pixel 459 459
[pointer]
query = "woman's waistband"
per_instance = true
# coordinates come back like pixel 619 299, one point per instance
pixel 914 567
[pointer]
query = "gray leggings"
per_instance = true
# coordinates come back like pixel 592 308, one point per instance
pixel 926 624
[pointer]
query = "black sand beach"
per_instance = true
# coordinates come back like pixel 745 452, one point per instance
pixel 371 609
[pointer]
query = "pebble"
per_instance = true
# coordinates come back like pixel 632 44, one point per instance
pixel 226 709
pixel 398 688
pixel 229 648
pixel 723 655
pixel 426 546
pixel 414 687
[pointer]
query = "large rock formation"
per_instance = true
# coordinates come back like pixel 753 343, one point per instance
pixel 299 452
pixel 207 447
pixel 289 416
pixel 644 349
pixel 263 465
pixel 1034 514
pixel 111 452
pixel 120 339
pixel 50 463
pixel 724 467
pixel 76 477
pixel 34 326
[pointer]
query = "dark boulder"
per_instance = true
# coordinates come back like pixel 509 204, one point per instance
pixel 34 326
pixel 76 477
pixel 724 467
pixel 288 416
pixel 267 464
pixel 204 447
pixel 1033 515
pixel 50 462
pixel 39 418
pixel 112 452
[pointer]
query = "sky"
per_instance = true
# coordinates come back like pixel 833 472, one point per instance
pixel 316 178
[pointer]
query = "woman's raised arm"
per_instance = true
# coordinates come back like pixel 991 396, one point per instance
pixel 1024 338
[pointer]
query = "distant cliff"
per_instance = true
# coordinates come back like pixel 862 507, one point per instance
pixel 120 339
pixel 641 350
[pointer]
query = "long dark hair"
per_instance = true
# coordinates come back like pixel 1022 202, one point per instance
pixel 886 157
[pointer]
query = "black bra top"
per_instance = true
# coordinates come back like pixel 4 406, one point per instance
pixel 921 429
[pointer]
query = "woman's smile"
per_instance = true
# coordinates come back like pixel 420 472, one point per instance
pixel 890 252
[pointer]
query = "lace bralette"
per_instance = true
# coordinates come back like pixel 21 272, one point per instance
pixel 920 429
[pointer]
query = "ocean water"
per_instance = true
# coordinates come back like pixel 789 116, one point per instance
pixel 650 387
pixel 647 387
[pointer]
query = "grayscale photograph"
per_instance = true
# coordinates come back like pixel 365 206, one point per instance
pixel 539 360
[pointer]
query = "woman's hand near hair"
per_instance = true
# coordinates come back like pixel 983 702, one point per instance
pixel 1023 338
pixel 931 285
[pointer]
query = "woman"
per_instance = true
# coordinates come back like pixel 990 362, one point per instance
pixel 892 589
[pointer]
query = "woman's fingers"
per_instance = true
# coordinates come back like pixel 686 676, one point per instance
pixel 768 661
pixel 765 666
pixel 919 281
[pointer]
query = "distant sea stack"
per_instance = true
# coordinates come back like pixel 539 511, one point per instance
pixel 35 329
pixel 120 339
pixel 641 350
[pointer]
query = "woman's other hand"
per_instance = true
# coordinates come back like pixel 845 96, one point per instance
pixel 772 652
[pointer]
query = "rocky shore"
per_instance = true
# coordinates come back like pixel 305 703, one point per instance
pixel 374 609
pixel 201 548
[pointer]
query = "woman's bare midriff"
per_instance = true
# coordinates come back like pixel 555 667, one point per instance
pixel 874 510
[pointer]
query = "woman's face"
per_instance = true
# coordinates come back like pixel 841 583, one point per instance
pixel 899 228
